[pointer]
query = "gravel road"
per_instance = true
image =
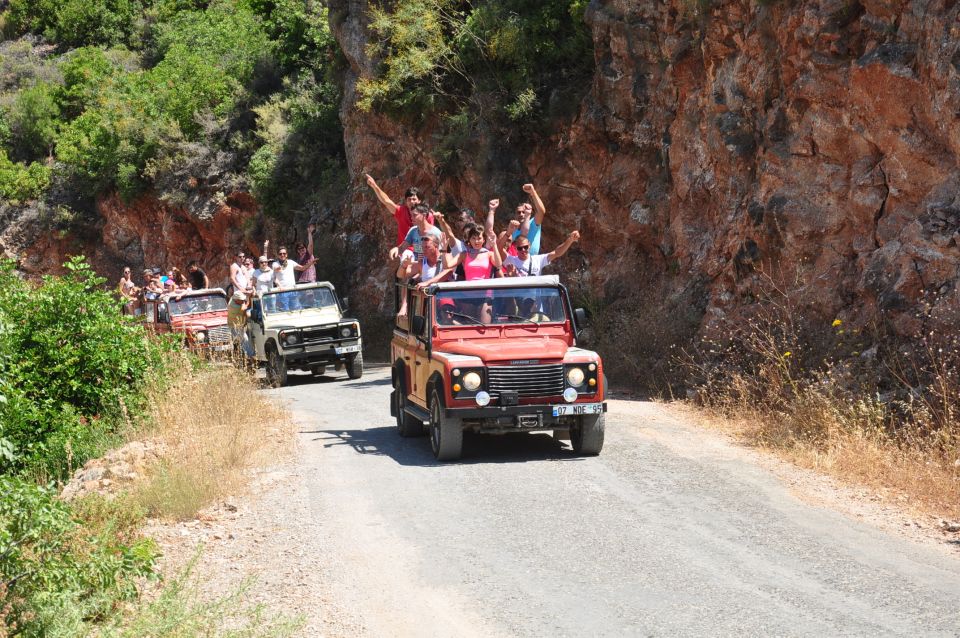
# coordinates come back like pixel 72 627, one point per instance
pixel 671 531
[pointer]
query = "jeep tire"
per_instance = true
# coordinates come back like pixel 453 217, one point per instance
pixel 586 438
pixel 355 366
pixel 276 367
pixel 407 425
pixel 446 434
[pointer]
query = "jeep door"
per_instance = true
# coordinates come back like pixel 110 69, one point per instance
pixel 421 352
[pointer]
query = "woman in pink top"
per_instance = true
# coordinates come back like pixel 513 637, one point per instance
pixel 479 263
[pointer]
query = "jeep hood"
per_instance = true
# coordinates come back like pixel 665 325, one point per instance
pixel 200 323
pixel 506 350
pixel 303 318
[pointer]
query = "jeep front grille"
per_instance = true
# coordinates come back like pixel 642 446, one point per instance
pixel 220 334
pixel 313 335
pixel 527 381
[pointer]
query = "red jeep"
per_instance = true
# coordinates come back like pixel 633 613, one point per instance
pixel 200 316
pixel 495 356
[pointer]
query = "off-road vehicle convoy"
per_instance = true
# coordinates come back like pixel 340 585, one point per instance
pixel 199 316
pixel 303 328
pixel 495 356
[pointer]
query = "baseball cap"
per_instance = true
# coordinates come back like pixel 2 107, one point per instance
pixel 447 302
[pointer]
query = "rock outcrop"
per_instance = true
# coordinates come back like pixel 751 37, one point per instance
pixel 146 232
pixel 811 145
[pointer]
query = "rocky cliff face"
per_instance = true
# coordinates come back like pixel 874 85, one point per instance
pixel 143 233
pixel 812 145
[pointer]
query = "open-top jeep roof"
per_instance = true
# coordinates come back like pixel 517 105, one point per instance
pixel 501 282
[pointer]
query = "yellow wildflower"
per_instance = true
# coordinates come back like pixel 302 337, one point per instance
pixel 787 353
pixel 836 322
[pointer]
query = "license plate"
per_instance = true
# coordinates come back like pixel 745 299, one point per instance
pixel 347 349
pixel 577 408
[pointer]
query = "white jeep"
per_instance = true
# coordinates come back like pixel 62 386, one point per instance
pixel 303 328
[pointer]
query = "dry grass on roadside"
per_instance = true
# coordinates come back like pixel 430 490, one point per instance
pixel 852 403
pixel 214 428
pixel 921 477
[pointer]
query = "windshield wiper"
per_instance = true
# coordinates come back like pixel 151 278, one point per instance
pixel 473 319
pixel 527 319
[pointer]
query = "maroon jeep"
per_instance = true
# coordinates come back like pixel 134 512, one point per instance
pixel 199 316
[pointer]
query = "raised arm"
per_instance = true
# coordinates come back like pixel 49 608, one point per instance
pixel 560 250
pixel 266 245
pixel 445 227
pixel 384 199
pixel 492 206
pixel 492 240
pixel 310 230
pixel 503 242
pixel 539 211
pixel 405 271
pixel 302 267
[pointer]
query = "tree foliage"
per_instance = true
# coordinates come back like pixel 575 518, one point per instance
pixel 499 59
pixel 78 366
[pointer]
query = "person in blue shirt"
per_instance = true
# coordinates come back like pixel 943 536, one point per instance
pixel 531 219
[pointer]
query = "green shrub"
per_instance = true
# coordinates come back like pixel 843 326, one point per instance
pixel 77 22
pixel 79 365
pixel 33 120
pixel 446 54
pixel 57 574
pixel 20 182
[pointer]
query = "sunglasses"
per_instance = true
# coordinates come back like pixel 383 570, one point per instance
pixel 523 248
pixel 283 254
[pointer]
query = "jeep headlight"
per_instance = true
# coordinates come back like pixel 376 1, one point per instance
pixel 290 338
pixel 575 377
pixel 346 331
pixel 471 381
pixel 200 336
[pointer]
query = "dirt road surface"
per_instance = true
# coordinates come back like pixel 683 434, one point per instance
pixel 671 531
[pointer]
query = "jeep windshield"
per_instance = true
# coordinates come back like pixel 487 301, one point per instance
pixel 295 300
pixel 499 306
pixel 196 304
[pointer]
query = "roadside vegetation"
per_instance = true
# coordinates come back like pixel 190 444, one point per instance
pixel 76 379
pixel 847 400
pixel 186 98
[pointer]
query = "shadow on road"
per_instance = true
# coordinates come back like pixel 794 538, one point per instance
pixel 477 448
pixel 294 380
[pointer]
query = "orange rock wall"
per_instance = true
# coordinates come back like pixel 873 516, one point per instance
pixel 810 144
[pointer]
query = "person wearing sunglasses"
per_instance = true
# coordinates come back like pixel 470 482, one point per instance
pixel 523 264
pixel 284 270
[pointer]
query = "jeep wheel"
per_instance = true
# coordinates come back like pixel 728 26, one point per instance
pixel 276 368
pixel 355 366
pixel 446 434
pixel 586 438
pixel 407 425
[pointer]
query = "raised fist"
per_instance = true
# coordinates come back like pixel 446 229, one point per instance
pixel 372 183
pixel 311 228
pixel 528 188
pixel 513 225
pixel 493 203
pixel 575 235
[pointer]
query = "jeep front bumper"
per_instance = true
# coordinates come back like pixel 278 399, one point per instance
pixel 323 353
pixel 498 419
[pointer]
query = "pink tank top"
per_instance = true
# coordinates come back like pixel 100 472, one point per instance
pixel 477 265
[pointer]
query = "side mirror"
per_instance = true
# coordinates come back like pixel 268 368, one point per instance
pixel 580 320
pixel 345 303
pixel 418 323
pixel 163 315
